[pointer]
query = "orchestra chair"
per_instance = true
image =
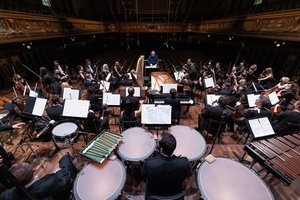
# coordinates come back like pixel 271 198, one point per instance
pixel 126 124
pixel 179 196
pixel 215 128
pixel 244 134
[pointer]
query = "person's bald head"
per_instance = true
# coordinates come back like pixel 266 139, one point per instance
pixel 130 91
pixel 152 53
pixel 23 172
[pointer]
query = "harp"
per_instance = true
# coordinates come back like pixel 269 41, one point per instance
pixel 138 74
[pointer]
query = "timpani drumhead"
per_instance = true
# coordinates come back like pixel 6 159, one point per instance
pixel 137 144
pixel 228 179
pixel 64 129
pixel 3 113
pixel 190 143
pixel 95 181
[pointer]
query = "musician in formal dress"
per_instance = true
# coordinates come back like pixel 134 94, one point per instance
pixel 282 121
pixel 116 70
pixel 54 112
pixel 174 102
pixel 104 71
pixel 130 106
pixel 20 83
pixel 152 59
pixel 56 185
pixel 62 69
pixel 261 109
pixel 88 66
pixel 217 113
pixel 165 174
pixel 266 78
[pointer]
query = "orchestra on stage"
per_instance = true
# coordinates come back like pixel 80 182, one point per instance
pixel 259 111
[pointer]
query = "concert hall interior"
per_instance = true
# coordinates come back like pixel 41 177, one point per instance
pixel 149 99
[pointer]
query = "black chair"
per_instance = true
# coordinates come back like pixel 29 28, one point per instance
pixel 126 124
pixel 179 196
pixel 215 128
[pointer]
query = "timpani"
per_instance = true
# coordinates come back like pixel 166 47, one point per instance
pixel 95 181
pixel 137 145
pixel 190 143
pixel 228 179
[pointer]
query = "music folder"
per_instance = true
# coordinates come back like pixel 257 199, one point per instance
pixel 209 82
pixel 111 99
pixel 260 127
pixel 35 106
pixel 137 91
pixel 152 115
pixel 76 108
pixel 70 93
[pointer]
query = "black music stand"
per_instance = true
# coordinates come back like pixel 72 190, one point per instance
pixel 34 108
pixel 259 128
pixel 156 117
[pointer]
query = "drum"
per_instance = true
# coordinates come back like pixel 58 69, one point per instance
pixel 137 144
pixel 228 179
pixel 190 143
pixel 64 131
pixel 105 181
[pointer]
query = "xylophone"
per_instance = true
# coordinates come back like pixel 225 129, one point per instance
pixel 279 155
pixel 101 146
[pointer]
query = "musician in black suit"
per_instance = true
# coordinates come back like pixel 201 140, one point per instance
pixel 174 102
pixel 52 186
pixel 260 110
pixel 130 106
pixel 130 98
pixel 283 119
pixel 218 113
pixel 55 111
pixel 165 174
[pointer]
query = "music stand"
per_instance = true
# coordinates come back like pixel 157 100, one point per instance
pixel 75 108
pixel 70 93
pixel 137 91
pixel 167 87
pixel 209 82
pixel 159 116
pixel 33 109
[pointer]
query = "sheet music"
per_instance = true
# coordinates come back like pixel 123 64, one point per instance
pixel 137 91
pixel 104 84
pixel 39 106
pixel 111 99
pixel 108 76
pixel 152 114
pixel 209 82
pixel 70 93
pixel 251 99
pixel 151 67
pixel 76 108
pixel 166 87
pixel 261 127
pixel 273 98
pixel 33 93
pixel 211 98
pixel 266 126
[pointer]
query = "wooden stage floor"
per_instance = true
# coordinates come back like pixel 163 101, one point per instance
pixel 135 189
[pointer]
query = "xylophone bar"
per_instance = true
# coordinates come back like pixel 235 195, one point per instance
pixel 280 156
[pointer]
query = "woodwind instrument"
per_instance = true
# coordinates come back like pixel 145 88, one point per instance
pixel 278 155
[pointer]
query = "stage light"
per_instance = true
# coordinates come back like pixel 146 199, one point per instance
pixel 278 45
pixel 28 47
pixel 208 35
